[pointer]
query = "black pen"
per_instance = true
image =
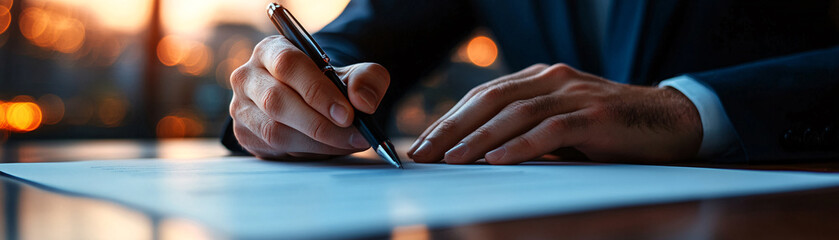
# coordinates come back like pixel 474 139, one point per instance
pixel 291 29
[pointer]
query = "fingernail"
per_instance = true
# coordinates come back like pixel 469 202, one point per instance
pixel 339 113
pixel 496 154
pixel 358 141
pixel 423 149
pixel 369 97
pixel 413 146
pixel 457 152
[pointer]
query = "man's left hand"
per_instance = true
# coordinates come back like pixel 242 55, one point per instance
pixel 543 108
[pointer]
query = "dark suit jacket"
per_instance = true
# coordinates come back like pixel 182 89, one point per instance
pixel 774 64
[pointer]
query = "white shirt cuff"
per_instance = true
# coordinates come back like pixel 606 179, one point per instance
pixel 718 134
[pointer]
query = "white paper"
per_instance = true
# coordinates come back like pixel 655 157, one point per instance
pixel 243 197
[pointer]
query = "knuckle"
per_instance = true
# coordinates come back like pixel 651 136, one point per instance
pixel 286 60
pixel 524 142
pixel 483 133
pixel 474 92
pixel 539 66
pixel 239 76
pixel 235 104
pixel 271 100
pixel 525 107
pixel 498 91
pixel 265 44
pixel 446 127
pixel 559 70
pixel 554 125
pixel 318 130
pixel 270 134
pixel 312 92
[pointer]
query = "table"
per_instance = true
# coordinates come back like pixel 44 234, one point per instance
pixel 32 213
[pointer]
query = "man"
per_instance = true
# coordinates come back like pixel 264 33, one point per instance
pixel 744 81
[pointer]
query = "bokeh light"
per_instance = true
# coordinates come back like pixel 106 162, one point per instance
pixel 52 28
pixel 71 32
pixel 482 51
pixel 5 19
pixel 124 16
pixel 171 127
pixel 192 57
pixel 170 51
pixel 198 59
pixel 112 110
pixel 53 108
pixel 23 116
pixel 3 124
pixel 180 124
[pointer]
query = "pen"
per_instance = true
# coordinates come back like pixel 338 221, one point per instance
pixel 288 26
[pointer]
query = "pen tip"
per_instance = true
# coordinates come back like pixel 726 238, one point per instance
pixel 386 151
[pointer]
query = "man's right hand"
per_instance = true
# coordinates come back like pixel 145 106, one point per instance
pixel 284 107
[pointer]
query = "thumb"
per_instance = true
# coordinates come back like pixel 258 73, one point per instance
pixel 366 85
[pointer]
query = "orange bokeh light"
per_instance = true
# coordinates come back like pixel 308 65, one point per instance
pixel 170 50
pixel 52 28
pixel 482 51
pixel 198 60
pixel 33 22
pixel 171 127
pixel 5 19
pixel 72 35
pixel 23 116
pixel 3 124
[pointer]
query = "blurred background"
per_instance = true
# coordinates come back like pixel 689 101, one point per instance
pixel 159 68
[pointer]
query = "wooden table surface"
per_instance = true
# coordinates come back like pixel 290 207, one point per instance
pixel 32 213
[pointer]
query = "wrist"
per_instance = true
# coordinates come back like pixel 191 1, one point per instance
pixel 687 124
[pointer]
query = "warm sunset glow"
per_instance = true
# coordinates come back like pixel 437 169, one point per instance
pixel 5 19
pixel 482 51
pixel 126 16
pixel 45 28
pixel 314 15
pixel 23 116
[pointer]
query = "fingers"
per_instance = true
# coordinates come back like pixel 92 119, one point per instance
pixel 281 104
pixel 552 133
pixel 292 67
pixel 532 70
pixel 477 111
pixel 367 84
pixel 266 138
pixel 515 119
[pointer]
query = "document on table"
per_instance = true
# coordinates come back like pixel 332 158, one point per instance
pixel 243 197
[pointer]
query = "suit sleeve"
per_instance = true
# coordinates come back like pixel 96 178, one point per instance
pixel 783 108
pixel 409 38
